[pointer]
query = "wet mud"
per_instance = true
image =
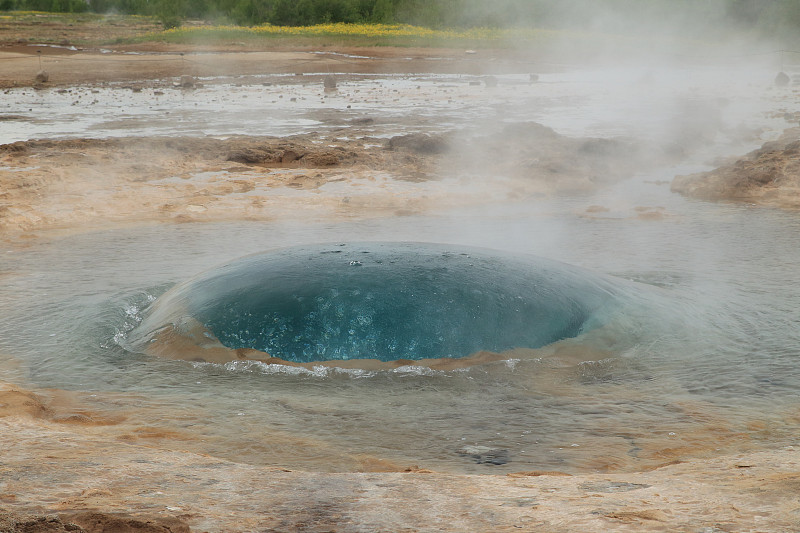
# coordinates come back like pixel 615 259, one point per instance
pixel 157 64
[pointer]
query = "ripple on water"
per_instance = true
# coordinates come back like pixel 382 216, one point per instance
pixel 390 302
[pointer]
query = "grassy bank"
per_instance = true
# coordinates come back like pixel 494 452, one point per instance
pixel 90 29
pixel 351 35
pixel 98 30
pixel 576 43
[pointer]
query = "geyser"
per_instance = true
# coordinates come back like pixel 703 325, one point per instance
pixel 384 301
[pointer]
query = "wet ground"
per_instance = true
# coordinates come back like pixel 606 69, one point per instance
pixel 703 366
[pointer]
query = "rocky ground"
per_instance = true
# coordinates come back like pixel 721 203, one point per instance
pixel 59 472
pixel 61 476
pixel 86 183
pixel 769 176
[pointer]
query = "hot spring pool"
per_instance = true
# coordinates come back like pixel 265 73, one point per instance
pixel 692 348
pixel 375 301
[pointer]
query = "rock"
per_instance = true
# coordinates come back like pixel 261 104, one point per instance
pixel 606 148
pixel 92 522
pixel 321 159
pixel 529 130
pixel 36 524
pixel 612 486
pixel 420 143
pixel 248 156
pixel 483 455
pixel 22 403
pixel 187 82
pixel 289 156
pixel 538 473
pixel 767 176
pixel 42 76
pixel 782 79
pixel 74 418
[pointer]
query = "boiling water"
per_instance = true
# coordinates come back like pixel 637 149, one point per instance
pixel 705 358
pixel 384 301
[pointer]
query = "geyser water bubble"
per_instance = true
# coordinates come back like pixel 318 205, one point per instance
pixel 373 301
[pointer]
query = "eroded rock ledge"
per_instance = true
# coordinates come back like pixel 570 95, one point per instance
pixel 68 184
pixel 98 481
pixel 769 176
pixel 59 475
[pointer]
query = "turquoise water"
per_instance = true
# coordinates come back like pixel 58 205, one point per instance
pixel 384 301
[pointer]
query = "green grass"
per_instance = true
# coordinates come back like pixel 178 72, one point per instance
pixel 349 35
pixel 77 28
pixel 99 30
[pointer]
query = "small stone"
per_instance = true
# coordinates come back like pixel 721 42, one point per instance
pixel 612 486
pixel 484 455
pixel 420 143
pixel 289 156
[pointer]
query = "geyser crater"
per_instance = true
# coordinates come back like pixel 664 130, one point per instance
pixel 380 304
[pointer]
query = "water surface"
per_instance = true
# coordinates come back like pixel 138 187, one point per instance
pixel 706 360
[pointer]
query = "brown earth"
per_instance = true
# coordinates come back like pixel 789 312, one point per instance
pixel 161 61
pixel 90 522
pixel 769 176
pixel 80 184
pixel 57 476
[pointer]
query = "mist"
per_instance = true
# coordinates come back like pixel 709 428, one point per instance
pixel 570 141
